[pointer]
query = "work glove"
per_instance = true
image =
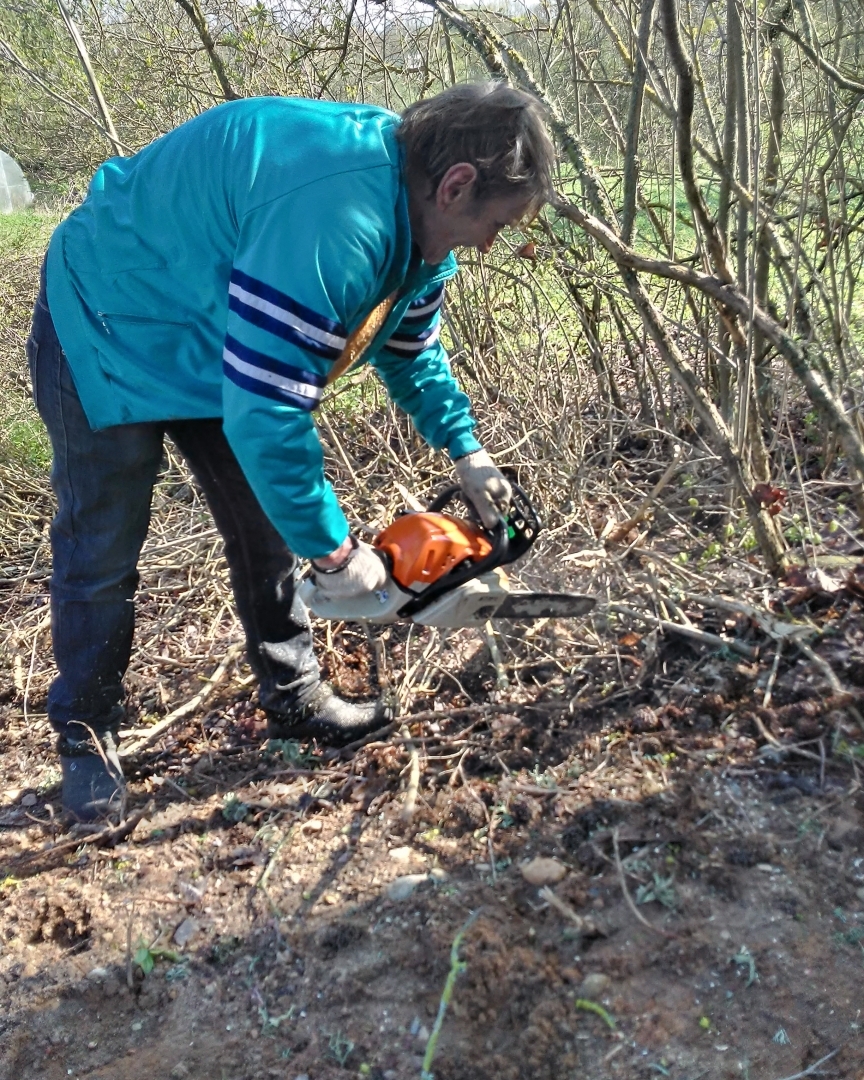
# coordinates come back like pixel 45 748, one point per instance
pixel 486 487
pixel 362 572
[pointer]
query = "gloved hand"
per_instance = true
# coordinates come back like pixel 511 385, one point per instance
pixel 486 487
pixel 362 572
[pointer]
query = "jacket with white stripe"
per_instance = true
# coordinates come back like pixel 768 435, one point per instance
pixel 218 272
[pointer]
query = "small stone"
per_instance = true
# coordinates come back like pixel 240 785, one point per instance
pixel 185 932
pixel 401 854
pixel 302 1076
pixel 330 898
pixel 210 989
pixel 97 974
pixel 840 834
pixel 644 719
pixel 402 887
pixel 92 1045
pixel 137 1025
pixel 594 985
pixel 190 893
pixel 179 1071
pixel 313 826
pixel 423 1035
pixel 542 871
pixel 438 873
pixel 29 799
pixel 860 894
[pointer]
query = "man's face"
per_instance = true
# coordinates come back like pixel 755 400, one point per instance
pixel 453 218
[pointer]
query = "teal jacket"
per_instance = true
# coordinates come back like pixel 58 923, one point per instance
pixel 218 273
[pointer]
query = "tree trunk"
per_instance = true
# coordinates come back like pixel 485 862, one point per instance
pixel 769 197
pixel 634 119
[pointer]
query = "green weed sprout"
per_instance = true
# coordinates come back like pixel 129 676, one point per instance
pixel 592 1006
pixel 340 1047
pixel 457 966
pixel 146 956
pixel 745 958
pixel 233 809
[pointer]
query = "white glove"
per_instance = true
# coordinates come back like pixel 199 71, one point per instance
pixel 486 487
pixel 362 572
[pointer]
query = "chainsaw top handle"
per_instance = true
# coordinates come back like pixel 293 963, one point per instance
pixel 522 520
pixel 510 538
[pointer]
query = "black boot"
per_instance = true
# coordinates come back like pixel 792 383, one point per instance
pixel 329 719
pixel 93 785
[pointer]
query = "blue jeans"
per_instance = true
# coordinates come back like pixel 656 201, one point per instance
pixel 103 481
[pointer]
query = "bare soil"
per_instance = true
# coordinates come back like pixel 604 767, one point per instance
pixel 249 927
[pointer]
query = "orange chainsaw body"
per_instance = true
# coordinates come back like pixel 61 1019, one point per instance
pixel 423 547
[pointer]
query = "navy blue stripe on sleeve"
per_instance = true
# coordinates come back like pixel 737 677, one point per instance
pixel 403 343
pixel 424 306
pixel 269 377
pixel 279 314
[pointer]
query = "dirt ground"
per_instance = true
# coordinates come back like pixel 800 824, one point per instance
pixel 274 914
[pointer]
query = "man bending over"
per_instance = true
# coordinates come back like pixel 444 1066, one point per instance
pixel 205 290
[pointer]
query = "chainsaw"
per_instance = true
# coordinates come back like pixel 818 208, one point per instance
pixel 446 571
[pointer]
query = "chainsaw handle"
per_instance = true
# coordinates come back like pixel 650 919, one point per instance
pixel 445 497
pixel 521 521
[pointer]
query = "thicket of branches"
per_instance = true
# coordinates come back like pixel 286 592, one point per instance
pixel 695 284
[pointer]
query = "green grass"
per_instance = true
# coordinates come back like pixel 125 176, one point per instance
pixel 24 236
pixel 24 441
pixel 26 232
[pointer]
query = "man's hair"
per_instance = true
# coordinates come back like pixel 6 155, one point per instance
pixel 498 130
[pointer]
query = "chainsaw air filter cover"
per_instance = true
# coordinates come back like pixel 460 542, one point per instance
pixel 423 547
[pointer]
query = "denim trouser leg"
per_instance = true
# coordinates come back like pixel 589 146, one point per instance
pixel 103 482
pixel 263 570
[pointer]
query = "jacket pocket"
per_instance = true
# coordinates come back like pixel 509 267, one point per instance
pixel 114 318
pixel 143 356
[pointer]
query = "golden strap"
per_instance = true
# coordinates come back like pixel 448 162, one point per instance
pixel 361 338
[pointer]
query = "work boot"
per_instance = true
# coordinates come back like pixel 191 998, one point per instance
pixel 93 784
pixel 329 719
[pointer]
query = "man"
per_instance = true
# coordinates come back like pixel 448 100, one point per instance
pixel 206 289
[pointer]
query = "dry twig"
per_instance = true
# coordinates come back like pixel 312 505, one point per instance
pixel 158 730
pixel 623 881
pixel 30 863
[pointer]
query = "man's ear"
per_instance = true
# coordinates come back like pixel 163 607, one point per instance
pixel 456 186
